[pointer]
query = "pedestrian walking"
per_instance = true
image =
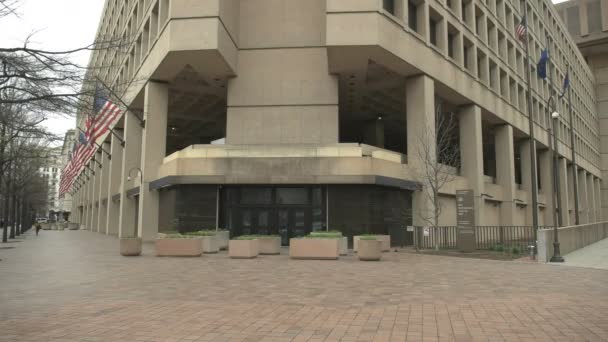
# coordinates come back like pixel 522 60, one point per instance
pixel 38 227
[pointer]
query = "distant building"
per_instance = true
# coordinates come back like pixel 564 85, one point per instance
pixel 65 203
pixel 51 172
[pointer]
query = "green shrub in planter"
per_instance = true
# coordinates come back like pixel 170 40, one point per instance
pixel 325 234
pixel 515 250
pixel 500 248
pixel 368 237
pixel 201 233
pixel 247 237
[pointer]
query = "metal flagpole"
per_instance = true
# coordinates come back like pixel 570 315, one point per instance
pixel 532 139
pixel 573 149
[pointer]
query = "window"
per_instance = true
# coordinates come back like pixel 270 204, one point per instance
pixel 412 19
pixel 389 6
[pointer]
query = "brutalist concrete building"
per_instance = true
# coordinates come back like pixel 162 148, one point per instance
pixel 286 116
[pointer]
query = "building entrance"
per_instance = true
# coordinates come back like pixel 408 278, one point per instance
pixel 284 211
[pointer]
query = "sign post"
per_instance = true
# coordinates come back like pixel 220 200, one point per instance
pixel 465 206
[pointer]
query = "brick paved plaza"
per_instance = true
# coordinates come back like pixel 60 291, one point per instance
pixel 74 286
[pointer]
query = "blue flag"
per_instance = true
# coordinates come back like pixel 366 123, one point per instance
pixel 541 67
pixel 82 138
pixel 101 97
pixel 565 86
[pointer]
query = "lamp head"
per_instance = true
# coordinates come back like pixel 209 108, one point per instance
pixel 128 178
pixel 555 115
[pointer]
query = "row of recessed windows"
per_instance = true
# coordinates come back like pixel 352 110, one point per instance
pixel 501 77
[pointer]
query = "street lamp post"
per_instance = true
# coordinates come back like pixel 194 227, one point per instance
pixel 556 186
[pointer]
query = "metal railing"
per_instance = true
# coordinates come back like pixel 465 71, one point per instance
pixel 487 237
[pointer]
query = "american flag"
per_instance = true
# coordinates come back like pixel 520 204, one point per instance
pixel 97 126
pixel 521 31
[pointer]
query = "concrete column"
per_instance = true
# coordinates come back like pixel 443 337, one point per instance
pixel 604 6
pixel 130 161
pixel 562 168
pixel 583 18
pixel 526 179
pixel 420 98
pixel 546 182
pixel 571 194
pixel 582 197
pixel 103 193
pixel 505 172
pixel 374 133
pixel 598 201
pixel 591 198
pixel 95 199
pixel 471 154
pixel 114 170
pixel 87 199
pixel 154 146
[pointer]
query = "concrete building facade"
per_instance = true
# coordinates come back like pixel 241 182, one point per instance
pixel 65 202
pixel 587 22
pixel 51 173
pixel 323 108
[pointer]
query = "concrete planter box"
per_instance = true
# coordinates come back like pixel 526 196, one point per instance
pixel 270 245
pixel 210 244
pixel 323 249
pixel 130 246
pixel 370 250
pixel 179 247
pixel 344 246
pixel 243 249
pixel 73 226
pixel 222 236
pixel 384 239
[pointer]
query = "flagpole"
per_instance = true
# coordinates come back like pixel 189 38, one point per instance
pixel 572 148
pixel 532 139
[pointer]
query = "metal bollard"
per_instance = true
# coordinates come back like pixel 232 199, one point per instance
pixel 531 249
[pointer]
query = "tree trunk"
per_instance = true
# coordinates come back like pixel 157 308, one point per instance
pixel 16 201
pixel 2 150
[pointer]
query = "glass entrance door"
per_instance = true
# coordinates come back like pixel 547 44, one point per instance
pixel 292 222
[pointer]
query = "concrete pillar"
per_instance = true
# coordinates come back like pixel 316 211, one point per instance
pixel 95 198
pixel 471 154
pixel 526 179
pixel 562 168
pixel 546 182
pixel 571 194
pixel 591 198
pixel 505 172
pixel 114 170
pixel 582 197
pixel 598 201
pixel 374 133
pixel 154 146
pixel 420 99
pixel 103 191
pixel 130 161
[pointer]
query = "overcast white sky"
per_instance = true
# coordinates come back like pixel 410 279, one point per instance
pixel 58 25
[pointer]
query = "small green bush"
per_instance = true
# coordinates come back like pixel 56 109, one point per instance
pixel 201 233
pixel 500 248
pixel 324 235
pixel 247 237
pixel 368 237
pixel 331 233
pixel 515 250
pixel 491 248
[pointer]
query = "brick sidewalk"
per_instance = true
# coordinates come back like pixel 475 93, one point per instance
pixel 73 286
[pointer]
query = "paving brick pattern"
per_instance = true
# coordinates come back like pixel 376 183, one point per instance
pixel 73 286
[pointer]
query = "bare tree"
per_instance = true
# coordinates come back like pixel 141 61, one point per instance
pixel 438 163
